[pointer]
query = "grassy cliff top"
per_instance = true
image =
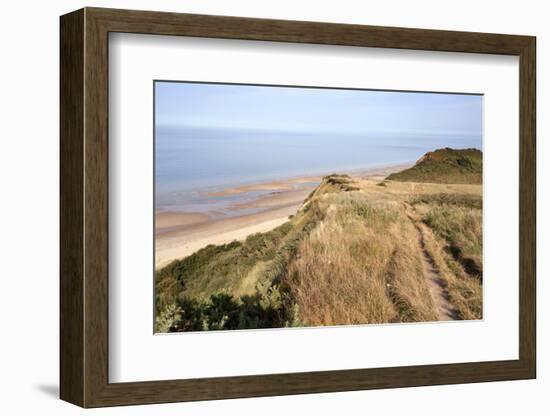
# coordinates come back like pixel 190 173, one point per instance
pixel 462 166
pixel 354 253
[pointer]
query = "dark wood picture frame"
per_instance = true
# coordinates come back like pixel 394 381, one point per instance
pixel 84 207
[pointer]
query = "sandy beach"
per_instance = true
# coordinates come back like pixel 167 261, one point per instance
pixel 180 234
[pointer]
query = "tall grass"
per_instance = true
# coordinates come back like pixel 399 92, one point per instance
pixel 453 236
pixel 462 229
pixel 354 269
pixel 465 293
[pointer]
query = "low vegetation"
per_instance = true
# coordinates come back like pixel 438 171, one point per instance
pixel 464 166
pixel 454 226
pixel 350 255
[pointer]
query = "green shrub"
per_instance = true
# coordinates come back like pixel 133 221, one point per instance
pixel 223 311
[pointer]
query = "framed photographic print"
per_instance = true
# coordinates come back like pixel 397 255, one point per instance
pixel 255 207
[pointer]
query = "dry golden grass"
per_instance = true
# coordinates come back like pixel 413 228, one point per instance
pixel 338 275
pixel 360 265
pixel 408 285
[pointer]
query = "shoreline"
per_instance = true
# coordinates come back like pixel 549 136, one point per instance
pixel 180 234
pixel 286 182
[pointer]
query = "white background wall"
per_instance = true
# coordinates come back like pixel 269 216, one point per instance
pixel 29 207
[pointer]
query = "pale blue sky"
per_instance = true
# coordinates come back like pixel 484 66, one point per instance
pixel 312 110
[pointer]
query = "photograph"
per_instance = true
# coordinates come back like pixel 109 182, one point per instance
pixel 275 204
pixel 297 206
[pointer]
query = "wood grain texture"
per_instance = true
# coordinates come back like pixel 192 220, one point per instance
pixel 84 207
pixel 162 23
pixel 527 208
pixel 71 185
pixel 96 219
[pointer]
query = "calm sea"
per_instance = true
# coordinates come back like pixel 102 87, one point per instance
pixel 190 162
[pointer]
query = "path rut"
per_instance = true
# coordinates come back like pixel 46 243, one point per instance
pixel 444 308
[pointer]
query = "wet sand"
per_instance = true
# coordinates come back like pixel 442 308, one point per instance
pixel 168 221
pixel 284 185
